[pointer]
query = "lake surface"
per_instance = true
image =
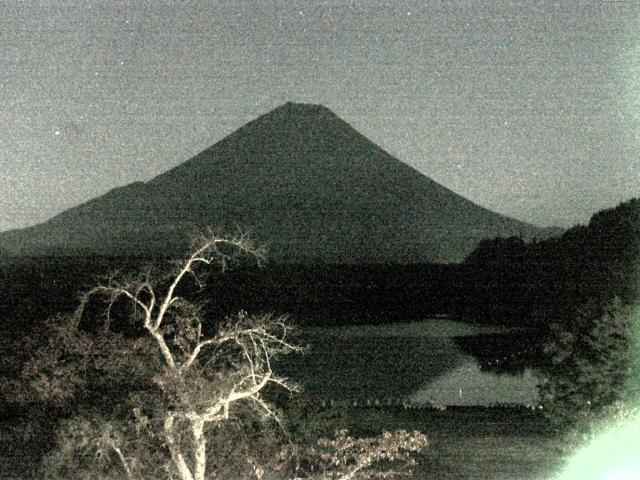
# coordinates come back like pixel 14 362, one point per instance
pixel 416 363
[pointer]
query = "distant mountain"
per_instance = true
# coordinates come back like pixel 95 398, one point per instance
pixel 298 178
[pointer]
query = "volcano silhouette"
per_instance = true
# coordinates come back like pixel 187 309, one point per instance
pixel 298 179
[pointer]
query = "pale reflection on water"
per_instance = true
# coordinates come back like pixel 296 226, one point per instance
pixel 415 363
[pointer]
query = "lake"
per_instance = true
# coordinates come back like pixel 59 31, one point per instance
pixel 416 363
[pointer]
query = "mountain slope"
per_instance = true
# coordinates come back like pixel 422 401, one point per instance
pixel 298 178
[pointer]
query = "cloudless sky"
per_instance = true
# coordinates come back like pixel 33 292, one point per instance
pixel 529 109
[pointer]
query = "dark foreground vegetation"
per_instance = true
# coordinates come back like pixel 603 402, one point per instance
pixel 578 293
pixel 464 443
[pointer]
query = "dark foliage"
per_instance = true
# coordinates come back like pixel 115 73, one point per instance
pixel 542 281
pixel 591 363
pixel 580 289
pixel 507 353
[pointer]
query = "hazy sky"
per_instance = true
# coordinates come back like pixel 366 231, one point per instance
pixel 532 110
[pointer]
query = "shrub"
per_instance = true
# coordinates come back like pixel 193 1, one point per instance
pixel 590 363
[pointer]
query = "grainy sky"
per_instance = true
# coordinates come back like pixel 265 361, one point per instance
pixel 529 109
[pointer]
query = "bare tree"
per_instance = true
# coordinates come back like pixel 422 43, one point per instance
pixel 188 381
pixel 201 377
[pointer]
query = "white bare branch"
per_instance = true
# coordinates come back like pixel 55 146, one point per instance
pixel 123 460
pixel 239 355
pixel 176 455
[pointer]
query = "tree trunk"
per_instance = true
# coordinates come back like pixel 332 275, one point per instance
pixel 176 456
pixel 200 445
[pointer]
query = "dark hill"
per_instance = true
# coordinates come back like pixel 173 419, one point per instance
pixel 551 280
pixel 298 178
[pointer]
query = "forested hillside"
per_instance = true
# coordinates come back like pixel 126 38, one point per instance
pixel 533 282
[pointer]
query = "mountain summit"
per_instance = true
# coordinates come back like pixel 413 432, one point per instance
pixel 299 179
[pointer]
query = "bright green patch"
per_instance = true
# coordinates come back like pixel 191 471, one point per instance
pixel 613 455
